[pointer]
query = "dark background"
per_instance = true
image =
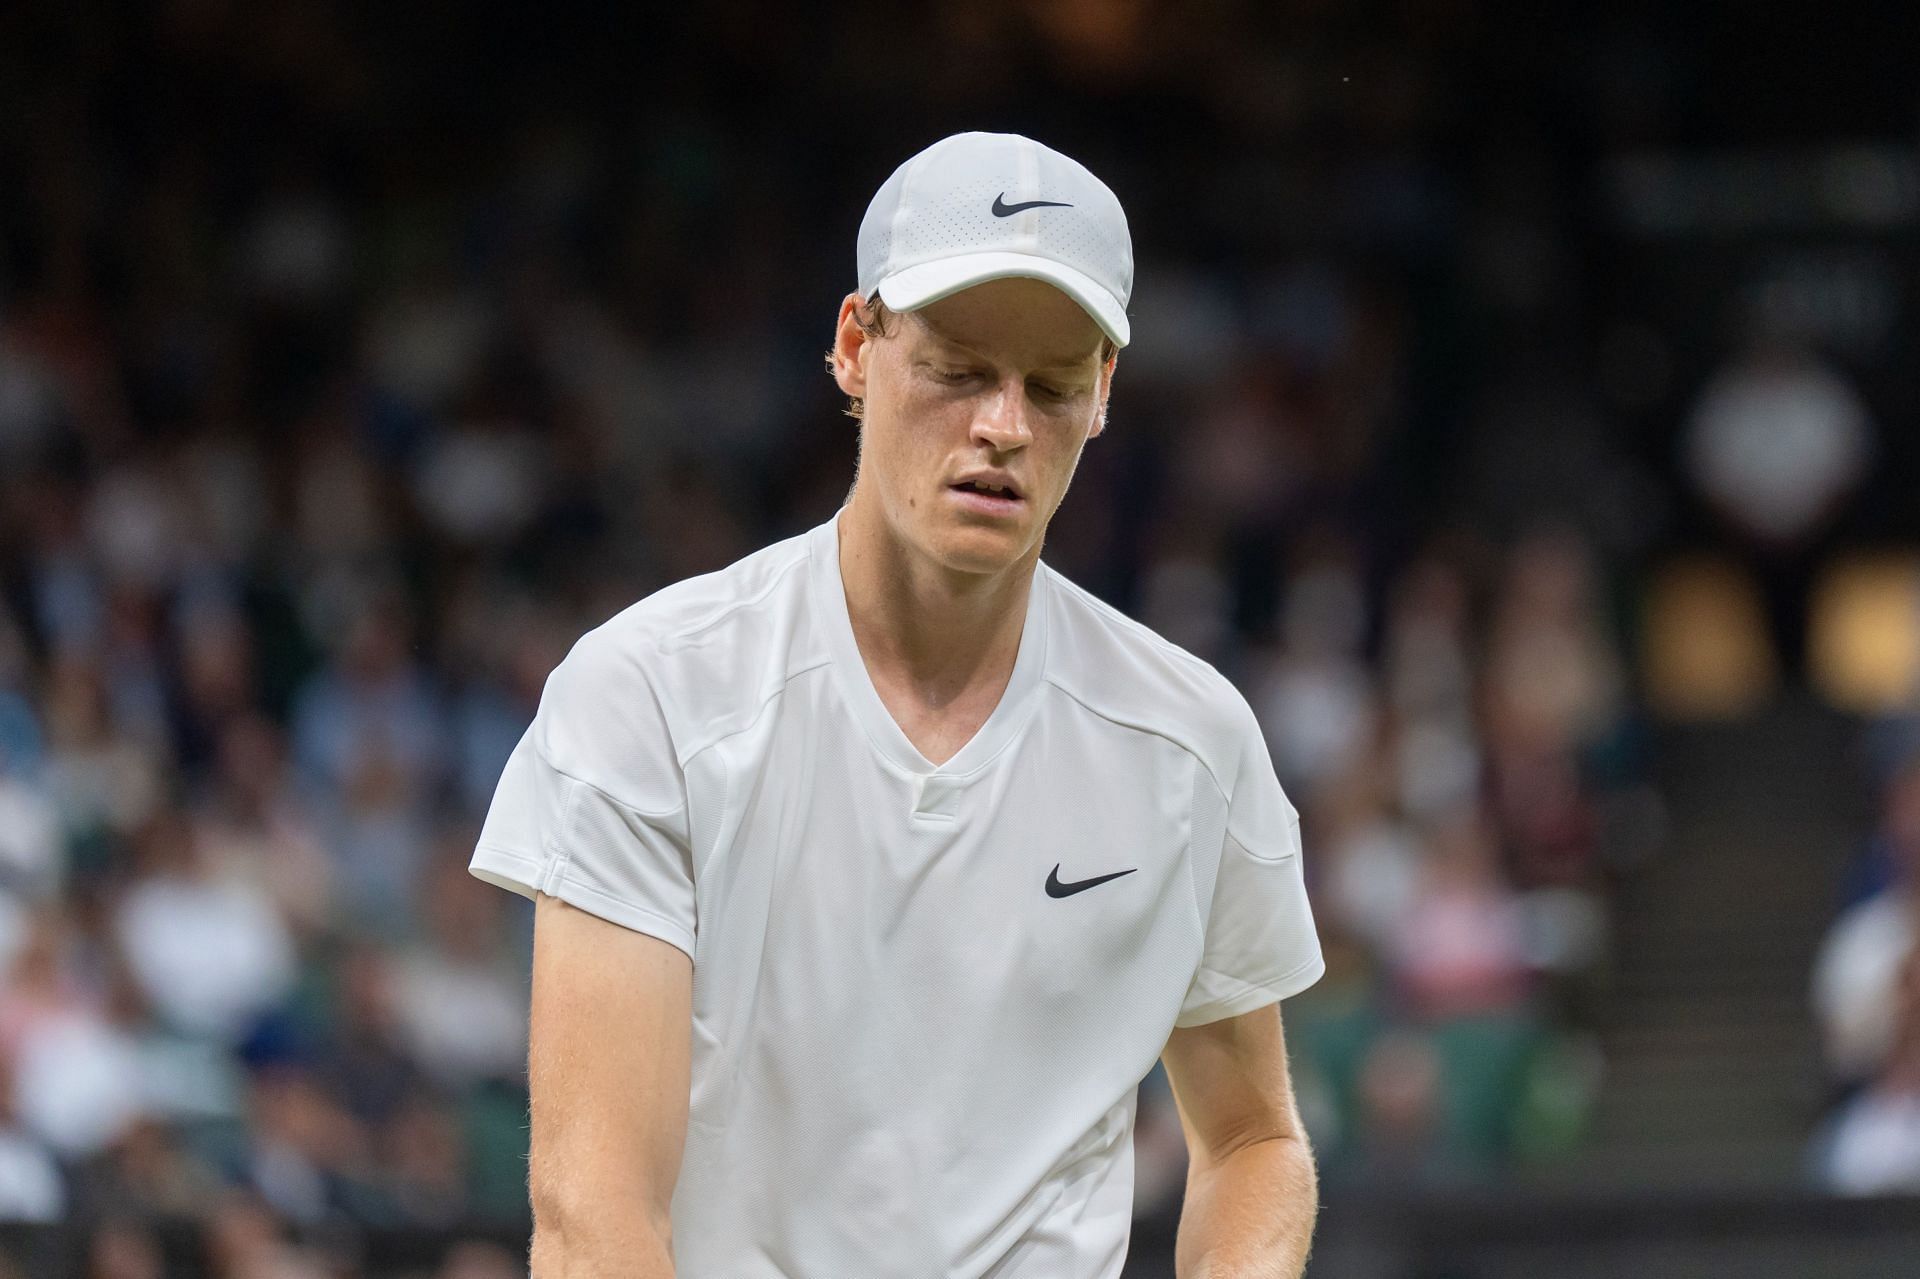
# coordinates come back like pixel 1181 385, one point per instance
pixel 355 359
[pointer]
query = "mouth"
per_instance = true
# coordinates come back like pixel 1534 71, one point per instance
pixel 987 497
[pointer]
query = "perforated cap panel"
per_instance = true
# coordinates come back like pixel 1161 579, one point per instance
pixel 982 206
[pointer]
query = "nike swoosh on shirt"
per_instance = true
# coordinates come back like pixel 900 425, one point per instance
pixel 1001 209
pixel 1057 889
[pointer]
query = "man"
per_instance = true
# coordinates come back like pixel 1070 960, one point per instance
pixel 876 870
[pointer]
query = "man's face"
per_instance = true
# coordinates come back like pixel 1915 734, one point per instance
pixel 1001 383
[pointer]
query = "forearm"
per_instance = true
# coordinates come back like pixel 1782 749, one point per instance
pixel 1249 1215
pixel 612 1244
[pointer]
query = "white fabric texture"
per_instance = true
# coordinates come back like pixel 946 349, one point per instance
pixel 910 1058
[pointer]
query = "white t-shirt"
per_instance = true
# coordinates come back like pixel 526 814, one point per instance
pixel 922 997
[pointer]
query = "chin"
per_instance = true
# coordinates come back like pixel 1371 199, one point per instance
pixel 977 549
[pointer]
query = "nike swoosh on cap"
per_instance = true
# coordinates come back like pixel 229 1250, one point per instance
pixel 1001 209
pixel 1057 889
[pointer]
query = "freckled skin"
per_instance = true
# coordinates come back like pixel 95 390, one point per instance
pixel 1006 374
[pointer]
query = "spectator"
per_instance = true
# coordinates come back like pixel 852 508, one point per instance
pixel 1873 1146
pixel 205 942
pixel 244 1242
pixel 150 1175
pixel 1855 977
pixel 32 850
pixel 20 744
pixel 32 1188
pixel 368 741
pixel 1371 862
pixel 1429 658
pixel 250 822
pixel 104 782
pixel 76 1074
pixel 121 1250
pixel 1460 949
pixel 1317 700
pixel 363 1062
pixel 307 1158
pixel 459 995
pixel 423 1161
pixel 1401 1139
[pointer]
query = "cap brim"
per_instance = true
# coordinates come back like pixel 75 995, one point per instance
pixel 913 287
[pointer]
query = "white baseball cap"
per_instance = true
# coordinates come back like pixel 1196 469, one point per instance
pixel 983 206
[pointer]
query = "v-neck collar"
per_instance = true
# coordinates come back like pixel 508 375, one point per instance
pixel 863 699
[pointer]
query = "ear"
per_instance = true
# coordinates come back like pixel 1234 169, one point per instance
pixel 850 347
pixel 1105 385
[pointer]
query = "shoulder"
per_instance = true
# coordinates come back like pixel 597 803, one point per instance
pixel 1125 672
pixel 686 664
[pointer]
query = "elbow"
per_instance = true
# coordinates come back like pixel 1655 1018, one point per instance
pixel 1284 1160
pixel 597 1230
pixel 1285 1135
pixel 557 1250
pixel 551 1201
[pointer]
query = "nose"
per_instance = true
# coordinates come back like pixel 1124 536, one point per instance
pixel 1001 422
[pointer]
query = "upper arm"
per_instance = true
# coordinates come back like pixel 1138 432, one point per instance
pixel 1231 1084
pixel 592 806
pixel 608 1065
pixel 1260 945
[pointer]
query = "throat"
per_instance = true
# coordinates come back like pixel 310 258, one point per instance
pixel 940 683
pixel 939 653
pixel 939 732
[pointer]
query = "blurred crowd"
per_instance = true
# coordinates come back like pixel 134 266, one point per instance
pixel 348 373
pixel 1469 785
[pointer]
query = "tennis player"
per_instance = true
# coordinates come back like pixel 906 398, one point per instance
pixel 875 871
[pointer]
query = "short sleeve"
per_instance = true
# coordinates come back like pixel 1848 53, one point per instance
pixel 1260 946
pixel 591 807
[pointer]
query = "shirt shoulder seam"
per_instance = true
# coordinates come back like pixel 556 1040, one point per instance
pixel 609 796
pixel 1086 705
pixel 1137 630
pixel 723 611
pixel 759 710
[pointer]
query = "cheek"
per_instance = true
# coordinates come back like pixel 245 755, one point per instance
pixel 1066 445
pixel 923 433
pixel 906 453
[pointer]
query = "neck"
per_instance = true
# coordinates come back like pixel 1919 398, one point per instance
pixel 943 632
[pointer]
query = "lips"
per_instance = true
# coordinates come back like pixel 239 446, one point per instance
pixel 991 483
pixel 984 497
